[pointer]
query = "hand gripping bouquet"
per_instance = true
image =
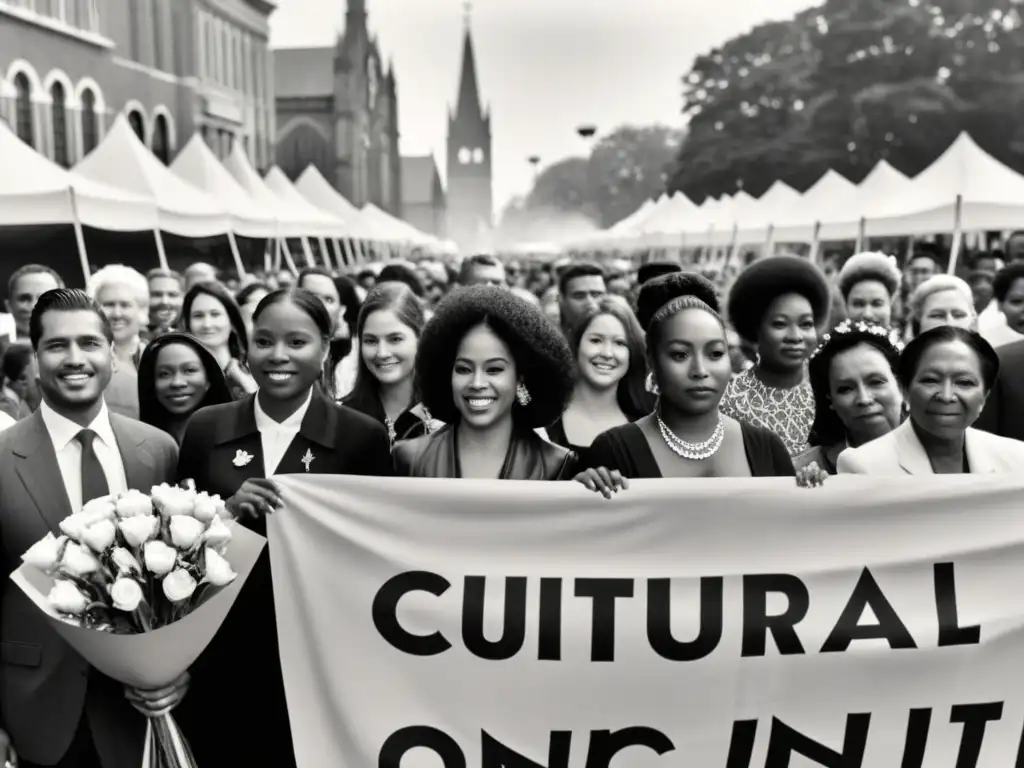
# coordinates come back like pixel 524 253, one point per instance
pixel 139 585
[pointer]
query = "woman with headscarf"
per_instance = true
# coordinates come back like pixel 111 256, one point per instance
pixel 177 377
pixel 777 304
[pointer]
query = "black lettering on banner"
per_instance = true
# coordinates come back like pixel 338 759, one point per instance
pixel 756 621
pixel 605 745
pixel 494 754
pixel 848 628
pixel 420 736
pixel 385 612
pixel 974 717
pixel 950 631
pixel 659 620
pixel 603 593
pixel 919 722
pixel 784 742
pixel 741 744
pixel 513 631
pixel 549 627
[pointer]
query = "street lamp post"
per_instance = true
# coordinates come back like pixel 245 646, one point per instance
pixel 534 161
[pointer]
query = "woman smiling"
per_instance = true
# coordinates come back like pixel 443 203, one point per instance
pixel 946 375
pixel 210 313
pixel 177 377
pixel 493 368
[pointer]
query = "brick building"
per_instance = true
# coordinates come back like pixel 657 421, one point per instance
pixel 173 66
pixel 337 109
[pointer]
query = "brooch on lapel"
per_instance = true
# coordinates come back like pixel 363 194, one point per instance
pixel 241 458
pixel 307 459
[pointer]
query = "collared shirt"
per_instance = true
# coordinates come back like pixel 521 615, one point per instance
pixel 63 433
pixel 276 436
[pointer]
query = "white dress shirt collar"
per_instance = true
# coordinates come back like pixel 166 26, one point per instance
pixel 293 423
pixel 62 430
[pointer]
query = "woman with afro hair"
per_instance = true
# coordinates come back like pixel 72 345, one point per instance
pixel 494 370
pixel 777 304
pixel 869 283
pixel 687 435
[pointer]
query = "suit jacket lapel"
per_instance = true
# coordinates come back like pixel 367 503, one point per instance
pixel 317 436
pixel 241 438
pixel 38 469
pixel 911 454
pixel 139 465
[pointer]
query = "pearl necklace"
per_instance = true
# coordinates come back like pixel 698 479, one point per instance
pixel 693 451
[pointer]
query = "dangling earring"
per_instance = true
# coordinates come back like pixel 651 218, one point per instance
pixel 522 394
pixel 651 385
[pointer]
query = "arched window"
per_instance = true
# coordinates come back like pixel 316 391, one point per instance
pixel 61 156
pixel 138 124
pixel 23 108
pixel 90 125
pixel 161 140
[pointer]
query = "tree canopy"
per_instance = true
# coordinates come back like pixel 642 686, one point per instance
pixel 848 83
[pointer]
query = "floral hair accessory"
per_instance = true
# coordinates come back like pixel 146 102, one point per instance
pixel 847 327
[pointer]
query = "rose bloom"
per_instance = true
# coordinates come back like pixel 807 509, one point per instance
pixel 138 530
pixel 218 570
pixel 218 534
pixel 174 501
pixel 67 598
pixel 134 504
pixel 160 558
pixel 179 585
pixel 78 561
pixel 185 531
pixel 99 536
pixel 125 561
pixel 44 553
pixel 126 594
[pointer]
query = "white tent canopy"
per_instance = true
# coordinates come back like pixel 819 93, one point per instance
pixel 992 195
pixel 318 191
pixel 830 199
pixel 197 165
pixel 123 161
pixel 394 228
pixel 36 191
pixel 321 224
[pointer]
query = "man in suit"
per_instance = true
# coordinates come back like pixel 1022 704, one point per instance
pixel 55 710
pixel 1004 411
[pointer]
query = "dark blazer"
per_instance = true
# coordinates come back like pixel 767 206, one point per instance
pixel 44 685
pixel 529 457
pixel 244 655
pixel 1003 414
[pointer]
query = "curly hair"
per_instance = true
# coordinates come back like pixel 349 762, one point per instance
pixel 869 265
pixel 827 428
pixel 757 286
pixel 542 357
pixel 658 291
pixel 1005 279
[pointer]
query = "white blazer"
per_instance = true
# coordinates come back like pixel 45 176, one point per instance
pixel 901 453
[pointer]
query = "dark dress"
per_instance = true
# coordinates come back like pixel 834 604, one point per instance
pixel 556 434
pixel 529 457
pixel 408 425
pixel 235 713
pixel 626 449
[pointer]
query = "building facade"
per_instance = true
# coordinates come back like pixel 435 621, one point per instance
pixel 423 198
pixel 337 109
pixel 67 67
pixel 470 202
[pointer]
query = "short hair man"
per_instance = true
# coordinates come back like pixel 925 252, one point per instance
pixel 483 269
pixel 24 288
pixel 166 293
pixel 580 286
pixel 68 452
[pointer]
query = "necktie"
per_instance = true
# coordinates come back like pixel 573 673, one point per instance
pixel 94 480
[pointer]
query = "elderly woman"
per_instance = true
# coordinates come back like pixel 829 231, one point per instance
pixel 777 304
pixel 493 369
pixel 946 374
pixel 942 300
pixel 123 295
pixel 869 282
pixel 857 398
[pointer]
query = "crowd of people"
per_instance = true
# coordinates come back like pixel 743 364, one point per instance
pixel 489 369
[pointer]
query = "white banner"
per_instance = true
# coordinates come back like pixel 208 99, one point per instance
pixel 872 623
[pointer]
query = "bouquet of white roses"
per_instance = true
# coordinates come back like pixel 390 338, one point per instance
pixel 139 584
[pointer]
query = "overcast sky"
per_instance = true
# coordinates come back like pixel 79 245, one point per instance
pixel 545 66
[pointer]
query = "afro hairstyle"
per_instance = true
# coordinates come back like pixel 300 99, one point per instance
pixel 542 357
pixel 869 265
pixel 757 286
pixel 658 291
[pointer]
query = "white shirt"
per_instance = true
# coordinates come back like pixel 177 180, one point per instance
pixel 63 432
pixel 6 421
pixel 276 436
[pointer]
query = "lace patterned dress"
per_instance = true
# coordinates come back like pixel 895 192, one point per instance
pixel 788 413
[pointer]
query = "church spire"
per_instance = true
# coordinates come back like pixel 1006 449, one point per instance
pixel 468 104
